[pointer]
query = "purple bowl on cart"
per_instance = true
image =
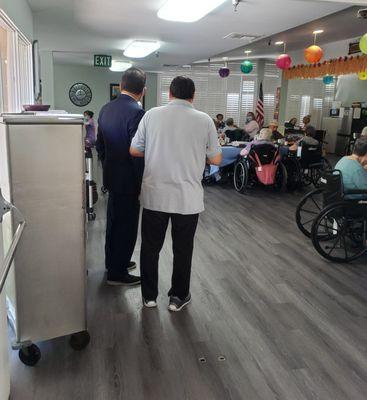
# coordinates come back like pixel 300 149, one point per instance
pixel 36 107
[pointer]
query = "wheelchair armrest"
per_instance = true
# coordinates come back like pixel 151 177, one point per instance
pixel 355 191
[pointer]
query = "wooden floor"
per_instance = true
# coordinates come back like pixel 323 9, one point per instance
pixel 289 324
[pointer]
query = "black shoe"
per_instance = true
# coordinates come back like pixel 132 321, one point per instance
pixel 126 280
pixel 176 304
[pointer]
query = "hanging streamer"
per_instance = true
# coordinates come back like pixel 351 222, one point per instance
pixel 335 67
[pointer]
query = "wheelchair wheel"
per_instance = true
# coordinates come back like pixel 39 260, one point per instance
pixel 339 232
pixel 317 172
pixel 281 178
pixel 240 177
pixel 307 211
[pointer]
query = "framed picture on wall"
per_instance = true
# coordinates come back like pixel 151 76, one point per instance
pixel 114 90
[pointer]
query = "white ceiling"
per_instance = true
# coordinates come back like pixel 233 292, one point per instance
pixel 301 36
pixel 76 30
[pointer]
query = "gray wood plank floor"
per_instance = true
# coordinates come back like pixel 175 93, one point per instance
pixel 290 325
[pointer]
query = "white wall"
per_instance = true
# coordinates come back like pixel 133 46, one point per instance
pixel 20 13
pixel 350 89
pixel 99 80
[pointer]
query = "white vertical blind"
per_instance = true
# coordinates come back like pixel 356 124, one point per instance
pixel 16 67
pixel 233 96
pixel 309 96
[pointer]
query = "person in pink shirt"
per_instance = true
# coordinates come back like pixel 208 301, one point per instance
pixel 251 126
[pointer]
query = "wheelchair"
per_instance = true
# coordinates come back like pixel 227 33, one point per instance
pixel 249 170
pixel 336 224
pixel 312 164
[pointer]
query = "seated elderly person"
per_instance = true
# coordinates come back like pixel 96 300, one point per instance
pixel 353 169
pixel 230 126
pixel 276 135
pixel 364 132
pixel 308 138
pixel 291 124
pixel 264 137
pixel 307 125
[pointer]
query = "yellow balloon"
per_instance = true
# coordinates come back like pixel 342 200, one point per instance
pixel 363 44
pixel 363 76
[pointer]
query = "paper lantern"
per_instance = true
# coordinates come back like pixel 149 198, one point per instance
pixel 224 72
pixel 283 61
pixel 247 67
pixel 363 44
pixel 363 76
pixel 313 54
pixel 328 79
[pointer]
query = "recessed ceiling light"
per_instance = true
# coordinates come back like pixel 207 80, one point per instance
pixel 120 66
pixel 318 31
pixel 141 48
pixel 279 43
pixel 187 10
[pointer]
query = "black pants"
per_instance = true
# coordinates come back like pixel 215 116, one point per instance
pixel 154 226
pixel 121 233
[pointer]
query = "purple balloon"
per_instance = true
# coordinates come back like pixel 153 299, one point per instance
pixel 224 72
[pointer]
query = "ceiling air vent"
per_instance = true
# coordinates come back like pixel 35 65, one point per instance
pixel 242 36
pixel 170 65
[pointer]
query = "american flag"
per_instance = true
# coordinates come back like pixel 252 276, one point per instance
pixel 260 107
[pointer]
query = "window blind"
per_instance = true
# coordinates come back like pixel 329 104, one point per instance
pixel 309 96
pixel 16 76
pixel 233 96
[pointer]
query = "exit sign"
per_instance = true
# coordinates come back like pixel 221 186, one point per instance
pixel 102 61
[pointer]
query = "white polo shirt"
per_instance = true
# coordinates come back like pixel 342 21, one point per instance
pixel 176 140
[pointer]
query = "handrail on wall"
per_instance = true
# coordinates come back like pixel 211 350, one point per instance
pixel 6 207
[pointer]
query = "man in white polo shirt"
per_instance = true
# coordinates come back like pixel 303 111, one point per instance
pixel 176 140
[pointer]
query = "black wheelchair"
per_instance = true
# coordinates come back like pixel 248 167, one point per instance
pixel 336 223
pixel 305 166
pixel 249 169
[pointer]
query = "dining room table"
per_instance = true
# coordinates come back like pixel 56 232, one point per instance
pixel 230 155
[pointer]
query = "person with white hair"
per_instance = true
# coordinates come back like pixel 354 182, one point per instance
pixel 264 137
pixel 364 132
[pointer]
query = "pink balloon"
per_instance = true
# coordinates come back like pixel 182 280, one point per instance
pixel 283 61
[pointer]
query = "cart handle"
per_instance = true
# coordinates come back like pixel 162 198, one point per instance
pixel 6 207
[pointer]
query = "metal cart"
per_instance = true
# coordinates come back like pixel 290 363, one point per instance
pixel 6 207
pixel 42 172
pixel 91 186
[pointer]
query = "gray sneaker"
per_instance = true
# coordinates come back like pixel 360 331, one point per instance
pixel 176 304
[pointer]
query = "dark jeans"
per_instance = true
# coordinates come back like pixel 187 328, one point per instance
pixel 121 233
pixel 154 226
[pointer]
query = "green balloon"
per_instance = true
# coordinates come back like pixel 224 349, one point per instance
pixel 247 67
pixel 363 44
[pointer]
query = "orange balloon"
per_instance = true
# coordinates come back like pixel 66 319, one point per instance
pixel 313 54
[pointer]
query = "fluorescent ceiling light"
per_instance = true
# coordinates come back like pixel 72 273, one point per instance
pixel 318 32
pixel 120 66
pixel 279 43
pixel 187 10
pixel 141 48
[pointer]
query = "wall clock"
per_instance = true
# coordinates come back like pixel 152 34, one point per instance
pixel 80 94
